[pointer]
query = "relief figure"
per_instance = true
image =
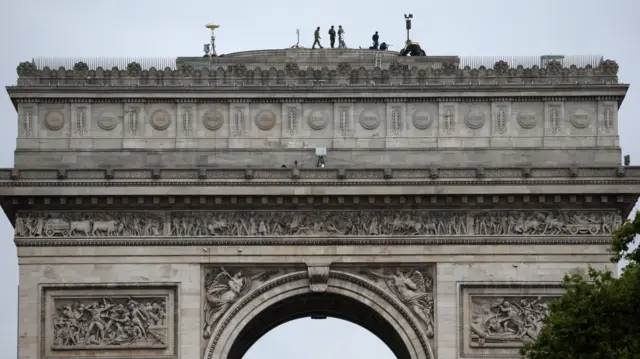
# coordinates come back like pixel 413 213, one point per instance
pixel 222 289
pixel 501 320
pixel 414 289
pixel 110 322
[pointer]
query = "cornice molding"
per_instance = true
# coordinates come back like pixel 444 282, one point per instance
pixel 316 176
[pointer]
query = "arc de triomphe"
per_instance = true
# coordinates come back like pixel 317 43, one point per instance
pixel 179 210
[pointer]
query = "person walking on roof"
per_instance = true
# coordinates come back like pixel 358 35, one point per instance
pixel 332 36
pixel 316 36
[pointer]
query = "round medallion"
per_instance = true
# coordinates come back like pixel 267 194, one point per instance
pixel 54 120
pixel 317 120
pixel 265 120
pixel 369 120
pixel 108 121
pixel 422 120
pixel 527 120
pixel 580 119
pixel 160 120
pixel 474 120
pixel 213 120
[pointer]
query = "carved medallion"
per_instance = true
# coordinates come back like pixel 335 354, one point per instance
pixel 527 120
pixel 317 120
pixel 265 120
pixel 160 120
pixel 580 119
pixel 422 120
pixel 213 120
pixel 54 120
pixel 369 120
pixel 474 120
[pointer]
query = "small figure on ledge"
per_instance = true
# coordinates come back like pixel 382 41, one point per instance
pixel 332 36
pixel 341 43
pixel 384 46
pixel 375 38
pixel 316 36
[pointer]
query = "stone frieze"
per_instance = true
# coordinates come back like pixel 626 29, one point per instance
pixel 315 223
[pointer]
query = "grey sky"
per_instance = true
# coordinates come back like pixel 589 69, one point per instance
pixel 120 28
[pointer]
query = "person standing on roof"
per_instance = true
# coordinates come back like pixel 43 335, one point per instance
pixel 332 36
pixel 375 38
pixel 316 36
pixel 341 43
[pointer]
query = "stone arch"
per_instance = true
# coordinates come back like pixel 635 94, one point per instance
pixel 289 297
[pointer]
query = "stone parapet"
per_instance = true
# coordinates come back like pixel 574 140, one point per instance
pixel 271 67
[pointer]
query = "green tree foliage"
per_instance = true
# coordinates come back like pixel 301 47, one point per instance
pixel 597 317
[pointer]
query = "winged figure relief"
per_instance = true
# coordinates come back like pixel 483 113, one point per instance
pixel 414 288
pixel 223 289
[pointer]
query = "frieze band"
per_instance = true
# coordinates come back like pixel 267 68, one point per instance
pixel 315 223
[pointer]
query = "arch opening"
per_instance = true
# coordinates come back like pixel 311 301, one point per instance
pixel 318 305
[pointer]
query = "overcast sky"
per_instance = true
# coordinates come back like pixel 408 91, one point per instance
pixel 126 28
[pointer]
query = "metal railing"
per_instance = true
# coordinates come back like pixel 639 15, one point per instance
pixel 161 63
pixel 107 63
pixel 475 62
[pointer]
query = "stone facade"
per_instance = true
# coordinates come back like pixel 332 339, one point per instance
pixel 153 217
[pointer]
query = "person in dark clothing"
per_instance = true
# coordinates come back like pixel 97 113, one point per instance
pixel 316 36
pixel 384 46
pixel 375 40
pixel 332 36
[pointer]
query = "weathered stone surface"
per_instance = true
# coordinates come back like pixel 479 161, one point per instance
pixel 159 200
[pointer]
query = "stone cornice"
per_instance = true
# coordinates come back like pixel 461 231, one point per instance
pixel 319 176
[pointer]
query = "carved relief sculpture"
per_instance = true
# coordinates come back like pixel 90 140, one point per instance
pixel 344 122
pixel 27 124
pixel 314 223
pixel 222 289
pixel 607 123
pixel 396 125
pixel 186 122
pixel 503 320
pixel 110 322
pixel 133 122
pixel 291 121
pixel 448 120
pixel 546 223
pixel 554 119
pixel 414 288
pixel 320 223
pixel 81 121
pixel 104 224
pixel 238 122
pixel 501 121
